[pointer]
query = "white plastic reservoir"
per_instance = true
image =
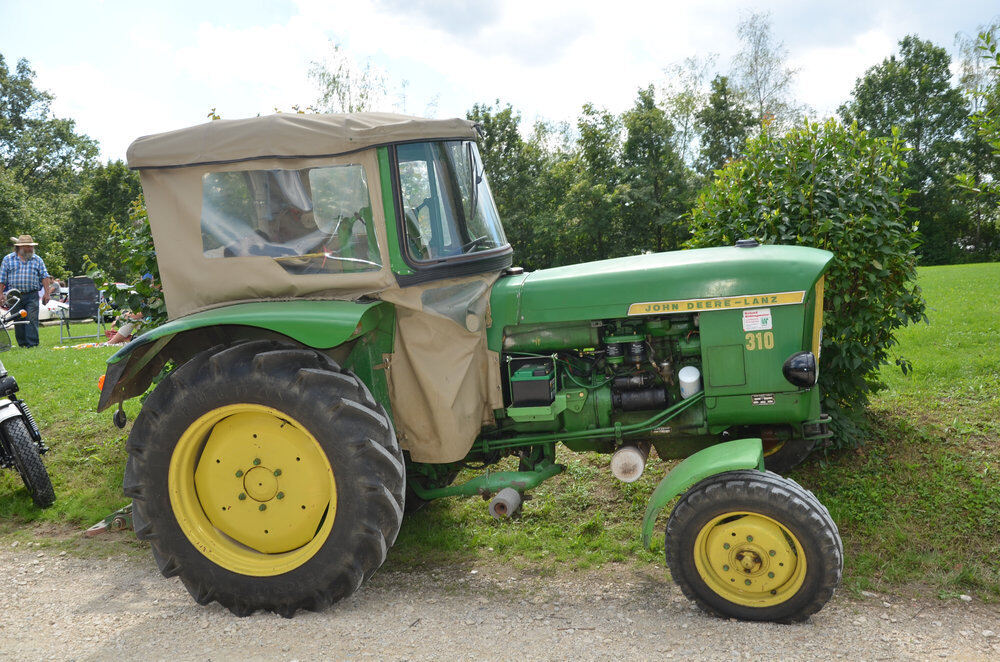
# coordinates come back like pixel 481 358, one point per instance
pixel 690 378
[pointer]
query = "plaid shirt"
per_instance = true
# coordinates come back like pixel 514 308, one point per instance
pixel 25 276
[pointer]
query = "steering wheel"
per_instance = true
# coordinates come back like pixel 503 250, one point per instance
pixel 475 242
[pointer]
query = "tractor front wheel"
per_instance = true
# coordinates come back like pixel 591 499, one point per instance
pixel 755 546
pixel 265 477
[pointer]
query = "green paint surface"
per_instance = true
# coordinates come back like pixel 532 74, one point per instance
pixel 728 456
pixel 389 209
pixel 605 289
pixel 318 324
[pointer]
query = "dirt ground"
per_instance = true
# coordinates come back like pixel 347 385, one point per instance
pixel 58 606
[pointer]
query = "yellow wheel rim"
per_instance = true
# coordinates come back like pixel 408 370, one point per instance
pixel 772 447
pixel 749 559
pixel 252 490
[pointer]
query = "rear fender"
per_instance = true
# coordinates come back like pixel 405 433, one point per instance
pixel 322 325
pixel 727 456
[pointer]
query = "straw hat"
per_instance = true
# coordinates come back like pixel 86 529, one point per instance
pixel 23 240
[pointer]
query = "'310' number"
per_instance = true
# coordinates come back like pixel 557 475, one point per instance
pixel 759 340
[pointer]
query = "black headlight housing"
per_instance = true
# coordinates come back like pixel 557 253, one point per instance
pixel 800 369
pixel 8 385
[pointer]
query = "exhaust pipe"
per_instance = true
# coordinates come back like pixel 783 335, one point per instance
pixel 505 503
pixel 629 461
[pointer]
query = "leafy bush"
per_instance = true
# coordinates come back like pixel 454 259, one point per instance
pixel 836 188
pixel 131 245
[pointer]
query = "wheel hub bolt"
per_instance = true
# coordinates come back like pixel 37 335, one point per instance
pixel 280 495
pixel 256 461
pixel 725 568
pixel 262 507
pixel 748 582
pixel 772 552
pixel 239 472
pixel 749 538
pixel 242 496
pixel 770 575
pixel 725 545
pixel 277 472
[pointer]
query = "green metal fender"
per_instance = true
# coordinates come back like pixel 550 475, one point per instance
pixel 317 324
pixel 727 456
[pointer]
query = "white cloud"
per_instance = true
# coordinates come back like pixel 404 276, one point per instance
pixel 546 58
pixel 104 107
pixel 827 75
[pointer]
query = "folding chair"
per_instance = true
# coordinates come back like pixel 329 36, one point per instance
pixel 84 306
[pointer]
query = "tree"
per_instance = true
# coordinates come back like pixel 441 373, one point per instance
pixel 979 183
pixel 986 116
pixel 41 162
pixel 346 86
pixel 658 193
pixel 913 91
pixel 760 73
pixel 725 124
pixel 684 95
pixel 589 216
pixel 42 152
pixel 512 168
pixel 106 197
pixel 133 257
pixel 841 189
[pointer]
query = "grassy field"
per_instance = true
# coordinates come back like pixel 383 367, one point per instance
pixel 918 506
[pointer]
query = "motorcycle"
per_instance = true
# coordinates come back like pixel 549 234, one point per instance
pixel 21 445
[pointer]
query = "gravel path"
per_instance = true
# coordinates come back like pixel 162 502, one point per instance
pixel 56 606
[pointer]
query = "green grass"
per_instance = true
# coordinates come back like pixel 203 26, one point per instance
pixel 87 452
pixel 919 505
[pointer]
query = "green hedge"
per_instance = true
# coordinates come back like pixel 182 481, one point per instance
pixel 833 187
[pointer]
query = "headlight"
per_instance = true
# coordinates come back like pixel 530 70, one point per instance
pixel 800 369
pixel 8 385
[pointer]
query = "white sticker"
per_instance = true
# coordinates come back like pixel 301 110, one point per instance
pixel 757 319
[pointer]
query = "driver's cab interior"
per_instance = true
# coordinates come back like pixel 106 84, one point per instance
pixel 447 207
pixel 314 220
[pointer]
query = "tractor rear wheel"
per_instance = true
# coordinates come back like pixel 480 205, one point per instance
pixel 266 477
pixel 23 450
pixel 755 546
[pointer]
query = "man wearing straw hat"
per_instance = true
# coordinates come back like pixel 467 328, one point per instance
pixel 23 270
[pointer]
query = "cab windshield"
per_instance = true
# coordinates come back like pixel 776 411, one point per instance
pixel 448 209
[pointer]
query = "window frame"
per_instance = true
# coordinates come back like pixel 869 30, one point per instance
pixel 495 259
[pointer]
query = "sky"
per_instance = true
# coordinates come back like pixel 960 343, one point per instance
pixel 123 69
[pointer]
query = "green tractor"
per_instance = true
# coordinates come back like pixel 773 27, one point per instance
pixel 347 332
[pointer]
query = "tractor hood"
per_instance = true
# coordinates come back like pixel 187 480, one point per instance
pixel 659 283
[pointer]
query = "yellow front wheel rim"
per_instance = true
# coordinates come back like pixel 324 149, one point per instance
pixel 749 559
pixel 252 490
pixel 770 448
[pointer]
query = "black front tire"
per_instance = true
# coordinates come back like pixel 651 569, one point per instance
pixel 28 462
pixel 805 541
pixel 351 429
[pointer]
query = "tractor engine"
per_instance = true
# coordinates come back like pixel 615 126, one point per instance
pixel 592 375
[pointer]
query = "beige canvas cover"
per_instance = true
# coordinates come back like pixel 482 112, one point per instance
pixel 444 382
pixel 288 135
pixel 172 166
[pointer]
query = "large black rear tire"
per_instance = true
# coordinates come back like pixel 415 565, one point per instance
pixel 755 546
pixel 266 477
pixel 24 452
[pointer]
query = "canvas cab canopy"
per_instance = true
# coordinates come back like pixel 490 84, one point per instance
pixel 293 206
pixel 283 206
